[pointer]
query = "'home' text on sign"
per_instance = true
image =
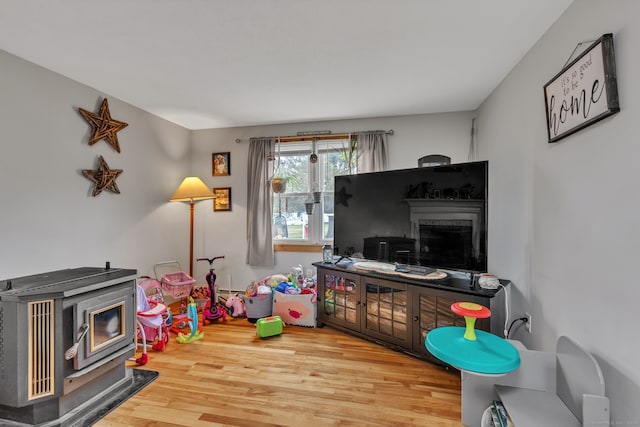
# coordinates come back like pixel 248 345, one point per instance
pixel 584 92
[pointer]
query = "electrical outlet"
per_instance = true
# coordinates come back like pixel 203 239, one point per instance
pixel 527 325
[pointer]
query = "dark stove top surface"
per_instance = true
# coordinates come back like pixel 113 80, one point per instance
pixel 63 283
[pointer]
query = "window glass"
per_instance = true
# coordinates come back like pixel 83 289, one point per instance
pixel 327 217
pixel 290 221
pixel 295 168
pixel 310 185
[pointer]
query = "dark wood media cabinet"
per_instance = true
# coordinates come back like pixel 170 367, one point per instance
pixel 398 312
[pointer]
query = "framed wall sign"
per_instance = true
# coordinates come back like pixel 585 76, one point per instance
pixel 584 92
pixel 221 164
pixel 222 202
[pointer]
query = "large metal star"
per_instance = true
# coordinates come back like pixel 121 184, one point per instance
pixel 103 177
pixel 104 127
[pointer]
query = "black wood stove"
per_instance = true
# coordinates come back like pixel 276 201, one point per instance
pixel 64 339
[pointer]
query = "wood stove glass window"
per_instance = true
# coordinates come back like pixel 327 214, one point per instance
pixel 107 326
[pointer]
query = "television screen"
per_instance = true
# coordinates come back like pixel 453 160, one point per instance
pixel 429 216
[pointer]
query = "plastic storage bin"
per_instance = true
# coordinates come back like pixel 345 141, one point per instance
pixel 258 306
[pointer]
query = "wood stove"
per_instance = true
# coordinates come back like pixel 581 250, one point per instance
pixel 44 316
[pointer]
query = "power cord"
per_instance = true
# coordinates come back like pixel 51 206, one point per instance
pixel 506 330
pixel 506 308
pixel 521 319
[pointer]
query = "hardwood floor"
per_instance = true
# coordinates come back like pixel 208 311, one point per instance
pixel 304 377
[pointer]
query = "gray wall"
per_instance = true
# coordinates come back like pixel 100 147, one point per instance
pixel 49 219
pixel 564 217
pixel 224 233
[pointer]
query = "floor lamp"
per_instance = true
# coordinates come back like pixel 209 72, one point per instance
pixel 191 190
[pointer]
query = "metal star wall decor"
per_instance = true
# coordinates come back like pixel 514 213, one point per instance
pixel 342 197
pixel 103 177
pixel 104 127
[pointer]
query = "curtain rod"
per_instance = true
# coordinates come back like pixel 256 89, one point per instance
pixel 316 136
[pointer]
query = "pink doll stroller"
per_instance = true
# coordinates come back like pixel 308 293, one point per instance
pixel 151 315
pixel 172 282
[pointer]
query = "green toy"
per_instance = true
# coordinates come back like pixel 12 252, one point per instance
pixel 269 326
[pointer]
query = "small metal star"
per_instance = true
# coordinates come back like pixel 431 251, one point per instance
pixel 104 127
pixel 342 197
pixel 103 177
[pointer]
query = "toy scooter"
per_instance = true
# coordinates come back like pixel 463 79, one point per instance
pixel 212 310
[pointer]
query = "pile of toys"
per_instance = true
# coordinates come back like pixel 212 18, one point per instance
pixel 200 295
pixel 290 296
pixel 293 283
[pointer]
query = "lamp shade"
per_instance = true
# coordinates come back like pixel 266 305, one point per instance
pixel 191 189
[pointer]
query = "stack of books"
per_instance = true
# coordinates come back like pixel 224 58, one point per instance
pixel 500 416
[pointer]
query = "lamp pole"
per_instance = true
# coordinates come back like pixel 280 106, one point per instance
pixel 192 213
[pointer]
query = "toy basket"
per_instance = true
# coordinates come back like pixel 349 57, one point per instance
pixel 258 306
pixel 176 284
pixel 300 310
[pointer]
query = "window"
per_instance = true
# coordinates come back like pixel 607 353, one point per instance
pixel 310 184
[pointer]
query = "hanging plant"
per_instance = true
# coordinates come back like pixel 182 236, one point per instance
pixel 309 205
pixel 350 154
pixel 278 185
pixel 313 157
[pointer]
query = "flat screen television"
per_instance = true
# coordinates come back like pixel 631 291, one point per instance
pixel 428 216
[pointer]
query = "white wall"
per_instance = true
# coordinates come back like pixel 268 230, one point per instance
pixel 564 217
pixel 50 221
pixel 224 233
pixel 48 217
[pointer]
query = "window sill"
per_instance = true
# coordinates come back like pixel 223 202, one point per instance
pixel 289 247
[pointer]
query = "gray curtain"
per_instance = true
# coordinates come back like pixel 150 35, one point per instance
pixel 259 203
pixel 372 151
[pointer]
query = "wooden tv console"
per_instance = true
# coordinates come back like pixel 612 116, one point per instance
pixel 397 311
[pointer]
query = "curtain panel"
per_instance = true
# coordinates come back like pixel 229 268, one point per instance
pixel 372 151
pixel 259 204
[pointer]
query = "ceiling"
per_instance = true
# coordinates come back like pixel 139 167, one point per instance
pixel 224 63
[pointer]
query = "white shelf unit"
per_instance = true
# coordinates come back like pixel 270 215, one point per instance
pixel 562 389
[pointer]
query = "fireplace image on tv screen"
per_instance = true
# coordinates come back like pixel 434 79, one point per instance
pixel 430 216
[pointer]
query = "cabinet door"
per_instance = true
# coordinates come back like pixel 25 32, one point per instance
pixel 385 311
pixel 432 309
pixel 340 299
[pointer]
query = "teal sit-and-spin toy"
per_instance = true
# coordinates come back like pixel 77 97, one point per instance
pixel 472 350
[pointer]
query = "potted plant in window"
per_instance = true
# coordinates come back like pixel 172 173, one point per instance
pixel 309 205
pixel 278 184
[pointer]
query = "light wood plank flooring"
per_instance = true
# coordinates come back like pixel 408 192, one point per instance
pixel 304 377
